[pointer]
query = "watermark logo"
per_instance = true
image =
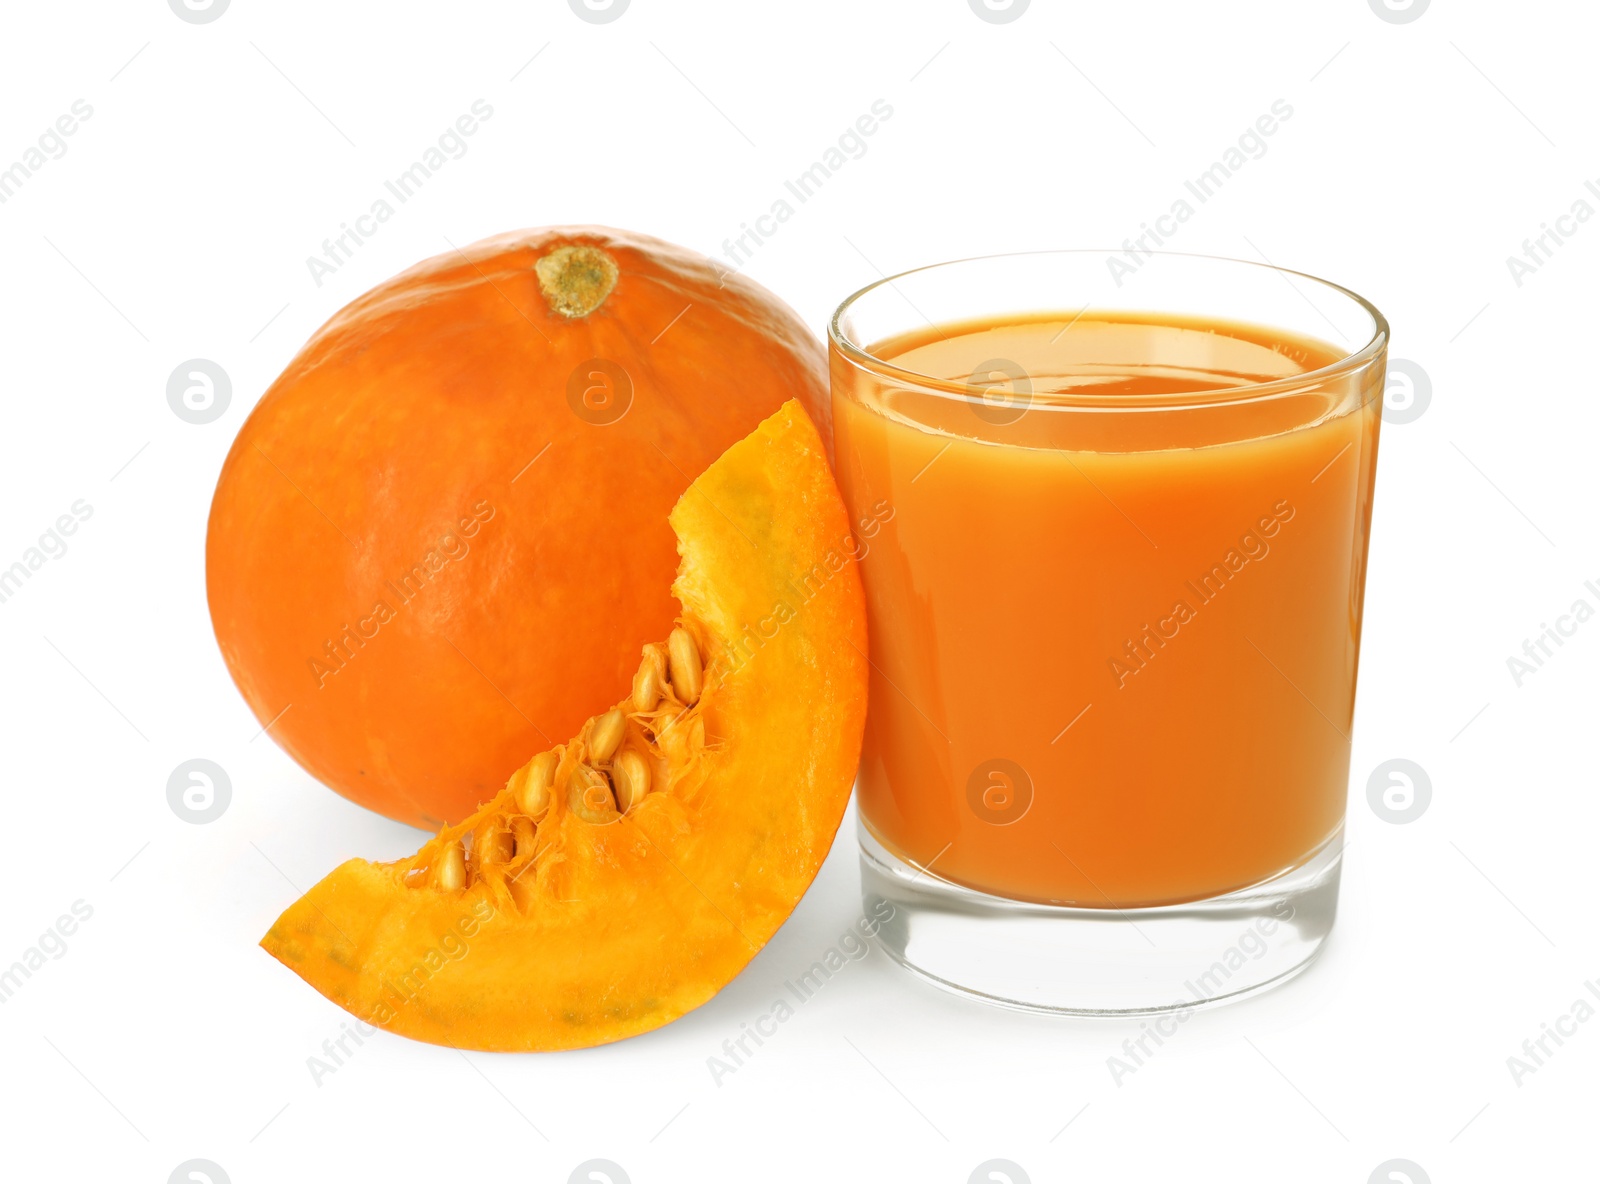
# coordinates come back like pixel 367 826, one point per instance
pixel 1537 1050
pixel 850 144
pixel 998 1171
pixel 1536 650
pixel 852 946
pixel 1399 12
pixel 999 791
pixel 1253 547
pixel 1251 144
pixel 1539 249
pixel 1399 791
pixel 336 1050
pixel 199 390
pixel 1407 391
pixel 199 12
pixel 806 586
pixel 453 546
pixel 600 392
pixel 998 12
pixel 1398 1171
pixel 50 145
pixel 1253 944
pixel 199 791
pixel 451 144
pixel 198 1171
pixel 51 945
pixel 598 1171
pixel 1002 389
pixel 400 990
pixel 51 545
pixel 598 12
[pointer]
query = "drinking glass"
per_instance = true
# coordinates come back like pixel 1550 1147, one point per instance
pixel 1113 513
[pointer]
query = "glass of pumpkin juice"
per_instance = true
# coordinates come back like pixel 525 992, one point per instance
pixel 1112 526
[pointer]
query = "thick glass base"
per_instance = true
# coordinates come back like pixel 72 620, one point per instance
pixel 1039 957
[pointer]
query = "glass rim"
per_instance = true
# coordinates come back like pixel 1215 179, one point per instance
pixel 1352 361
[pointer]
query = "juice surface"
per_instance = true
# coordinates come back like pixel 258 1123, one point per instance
pixel 1114 651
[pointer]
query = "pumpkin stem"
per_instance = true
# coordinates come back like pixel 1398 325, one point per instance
pixel 576 279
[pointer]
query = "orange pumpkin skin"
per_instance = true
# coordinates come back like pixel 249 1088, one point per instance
pixel 594 931
pixel 429 550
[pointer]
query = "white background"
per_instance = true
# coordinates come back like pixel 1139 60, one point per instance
pixel 177 225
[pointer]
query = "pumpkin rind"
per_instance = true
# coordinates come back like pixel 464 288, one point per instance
pixel 427 553
pixel 624 927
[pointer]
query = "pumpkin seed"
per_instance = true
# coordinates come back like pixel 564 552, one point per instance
pixel 647 682
pixel 686 670
pixel 450 873
pixel 606 735
pixel 632 777
pixel 533 795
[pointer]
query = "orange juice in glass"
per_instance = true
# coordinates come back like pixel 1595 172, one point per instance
pixel 1114 590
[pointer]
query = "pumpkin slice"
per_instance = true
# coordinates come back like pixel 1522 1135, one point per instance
pixel 623 878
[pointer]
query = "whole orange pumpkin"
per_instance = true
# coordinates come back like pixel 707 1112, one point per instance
pixel 441 536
